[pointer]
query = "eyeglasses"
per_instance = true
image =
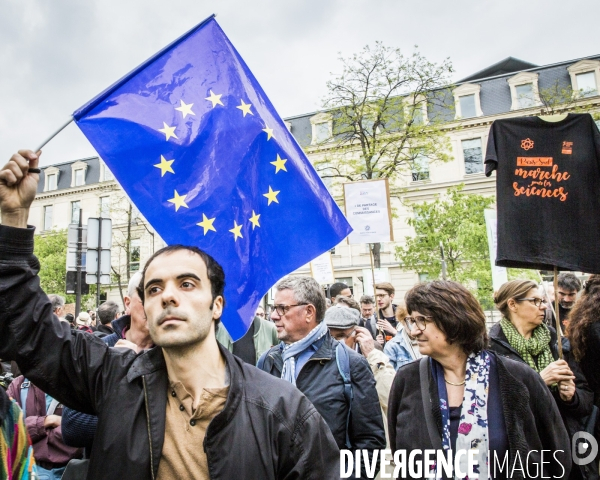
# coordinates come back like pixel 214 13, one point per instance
pixel 260 315
pixel 283 309
pixel 419 321
pixel 535 300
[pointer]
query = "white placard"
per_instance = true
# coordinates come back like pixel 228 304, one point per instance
pixel 321 269
pixel 381 275
pixel 499 274
pixel 368 211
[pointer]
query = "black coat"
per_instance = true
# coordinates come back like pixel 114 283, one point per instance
pixel 321 382
pixel 267 429
pixel 532 419
pixel 573 413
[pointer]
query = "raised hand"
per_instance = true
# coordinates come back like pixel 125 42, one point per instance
pixel 18 187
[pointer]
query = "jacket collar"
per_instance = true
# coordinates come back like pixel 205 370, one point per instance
pixel 120 323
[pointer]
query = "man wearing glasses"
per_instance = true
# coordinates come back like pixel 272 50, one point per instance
pixel 306 357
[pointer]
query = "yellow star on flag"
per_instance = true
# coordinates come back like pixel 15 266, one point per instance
pixel 178 201
pixel 164 165
pixel 254 220
pixel 269 132
pixel 272 196
pixel 168 131
pixel 236 230
pixel 207 224
pixel 245 107
pixel 279 164
pixel 185 109
pixel 214 99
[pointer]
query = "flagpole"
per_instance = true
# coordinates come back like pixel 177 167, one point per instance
pixel 60 129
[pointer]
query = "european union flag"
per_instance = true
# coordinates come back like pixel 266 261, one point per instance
pixel 194 141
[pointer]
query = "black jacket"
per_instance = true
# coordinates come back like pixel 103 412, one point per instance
pixel 321 382
pixel 267 429
pixel 573 413
pixel 532 420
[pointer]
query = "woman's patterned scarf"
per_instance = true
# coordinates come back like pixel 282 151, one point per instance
pixel 473 425
pixel 536 346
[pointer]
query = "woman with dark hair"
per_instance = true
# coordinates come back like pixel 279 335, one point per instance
pixel 584 333
pixel 469 398
pixel 523 336
pixel 16 454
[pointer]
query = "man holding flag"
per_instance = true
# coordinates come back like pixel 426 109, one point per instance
pixel 189 408
pixel 199 149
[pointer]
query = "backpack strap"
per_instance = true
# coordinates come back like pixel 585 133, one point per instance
pixel 343 363
pixel 52 408
pixel 24 392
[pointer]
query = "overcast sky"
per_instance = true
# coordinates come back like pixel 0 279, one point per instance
pixel 55 55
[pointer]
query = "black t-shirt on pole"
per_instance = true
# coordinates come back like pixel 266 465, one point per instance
pixel 548 192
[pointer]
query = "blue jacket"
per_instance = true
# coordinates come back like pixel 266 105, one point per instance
pixel 396 350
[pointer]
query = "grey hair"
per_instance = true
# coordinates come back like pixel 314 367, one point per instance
pixel 107 312
pixel 306 290
pixel 57 301
pixel 134 283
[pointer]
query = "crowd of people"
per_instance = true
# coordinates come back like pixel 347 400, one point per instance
pixel 161 390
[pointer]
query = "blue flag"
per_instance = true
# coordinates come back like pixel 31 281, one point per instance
pixel 198 147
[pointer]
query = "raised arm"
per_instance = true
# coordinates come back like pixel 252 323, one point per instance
pixel 62 363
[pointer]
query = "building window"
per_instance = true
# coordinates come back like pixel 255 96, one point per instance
pixel 321 132
pixel 108 174
pixel 134 255
pixel 467 106
pixel 420 168
pixel 473 156
pixel 586 83
pixel 466 101
pixel 584 77
pixel 525 98
pixel 51 178
pixel 48 217
pixel 75 211
pixel 78 170
pixel 52 183
pixel 104 207
pixel 321 128
pixel 79 178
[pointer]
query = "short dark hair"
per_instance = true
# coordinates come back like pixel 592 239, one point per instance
pixel 387 286
pixel 454 310
pixel 336 288
pixel 569 282
pixel 216 275
pixel 367 299
pixel 107 312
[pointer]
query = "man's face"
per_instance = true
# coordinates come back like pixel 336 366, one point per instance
pixel 346 292
pixel 297 322
pixel 178 300
pixel 135 308
pixel 567 298
pixel 348 335
pixel 260 312
pixel 367 309
pixel 59 311
pixel 384 299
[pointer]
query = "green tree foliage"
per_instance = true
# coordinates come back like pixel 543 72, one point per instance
pixel 51 250
pixel 457 222
pixel 379 106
